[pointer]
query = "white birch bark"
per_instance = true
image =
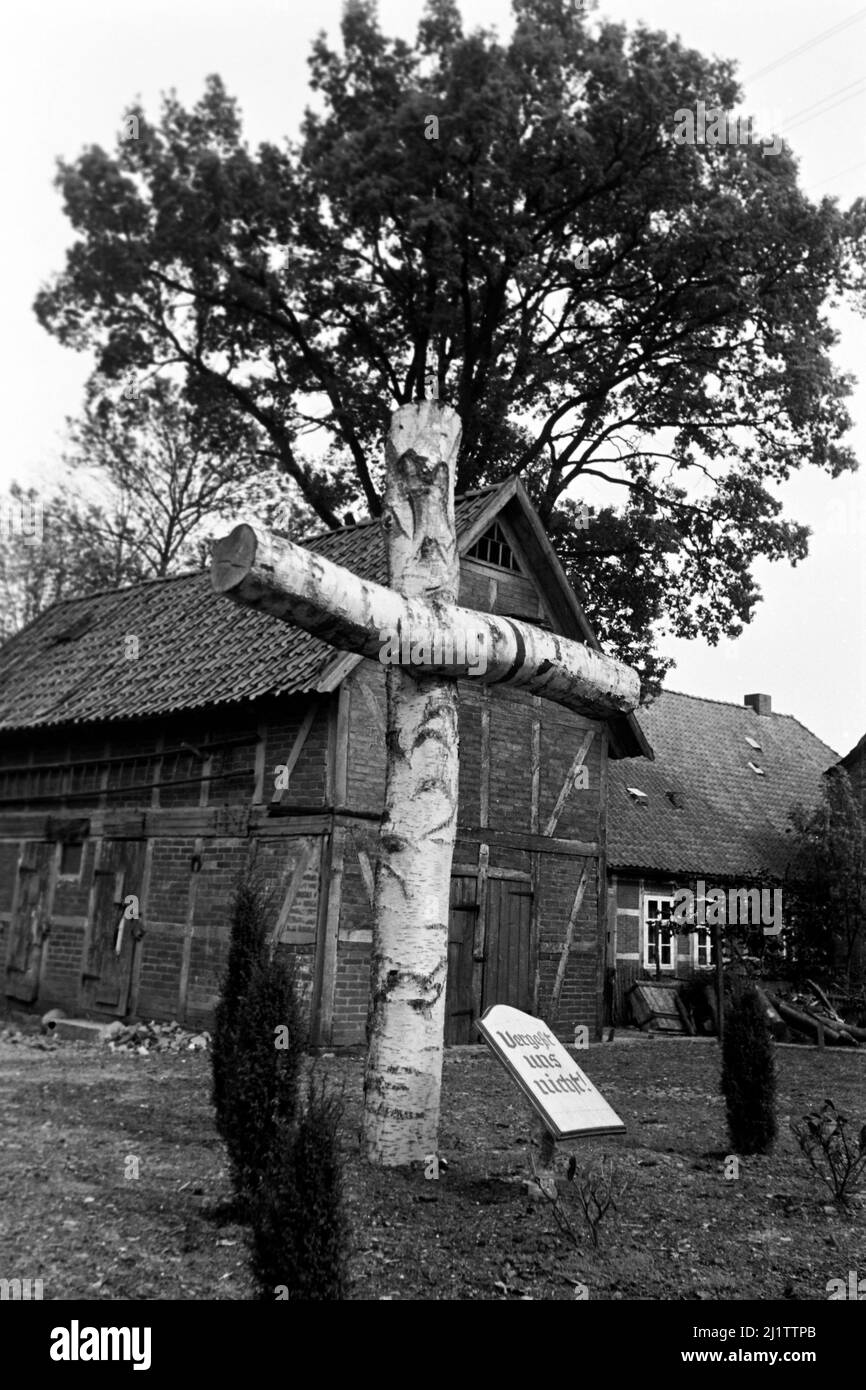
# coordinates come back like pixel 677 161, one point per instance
pixel 409 964
pixel 275 576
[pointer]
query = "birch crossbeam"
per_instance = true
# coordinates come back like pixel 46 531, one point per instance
pixel 262 571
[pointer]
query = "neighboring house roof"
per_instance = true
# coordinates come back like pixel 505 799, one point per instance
pixel 858 752
pixel 729 821
pixel 198 649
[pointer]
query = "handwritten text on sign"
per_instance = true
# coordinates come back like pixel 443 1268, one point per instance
pixel 563 1095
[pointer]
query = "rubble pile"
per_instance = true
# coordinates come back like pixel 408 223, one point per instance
pixel 154 1037
pixel 11 1034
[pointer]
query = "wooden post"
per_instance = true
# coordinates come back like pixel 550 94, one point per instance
pixel 720 979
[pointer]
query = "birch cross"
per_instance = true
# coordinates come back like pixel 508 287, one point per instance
pixel 429 643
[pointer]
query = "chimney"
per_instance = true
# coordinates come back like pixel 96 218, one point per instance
pixel 761 704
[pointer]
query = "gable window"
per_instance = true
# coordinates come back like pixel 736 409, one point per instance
pixel 494 549
pixel 659 939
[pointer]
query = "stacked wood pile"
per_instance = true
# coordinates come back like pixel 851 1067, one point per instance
pixel 810 1015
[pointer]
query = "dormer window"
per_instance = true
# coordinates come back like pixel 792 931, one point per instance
pixel 753 743
pixel 758 770
pixel 637 796
pixel 494 549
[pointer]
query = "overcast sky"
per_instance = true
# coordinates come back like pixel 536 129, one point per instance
pixel 73 65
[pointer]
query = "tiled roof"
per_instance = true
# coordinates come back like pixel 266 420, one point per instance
pixel 195 648
pixel 729 821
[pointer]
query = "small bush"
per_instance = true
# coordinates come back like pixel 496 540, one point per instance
pixel 596 1189
pixel 267 1071
pixel 749 1074
pixel 299 1223
pixel 249 920
pixel 837 1158
pixel 259 1043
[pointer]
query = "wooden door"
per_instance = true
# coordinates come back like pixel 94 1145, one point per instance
pixel 30 921
pixel 462 919
pixel 112 937
pixel 507 950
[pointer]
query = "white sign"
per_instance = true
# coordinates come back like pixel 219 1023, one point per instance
pixel 562 1094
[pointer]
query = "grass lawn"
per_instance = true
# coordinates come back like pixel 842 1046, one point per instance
pixel 73 1214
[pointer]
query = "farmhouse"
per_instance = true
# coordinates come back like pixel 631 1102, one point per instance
pixel 712 806
pixel 155 739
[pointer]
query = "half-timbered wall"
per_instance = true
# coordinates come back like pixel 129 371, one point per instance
pixel 170 811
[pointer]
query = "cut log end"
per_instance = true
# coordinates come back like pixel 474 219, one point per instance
pixel 233 558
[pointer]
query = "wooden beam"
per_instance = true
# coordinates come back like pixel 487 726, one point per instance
pixel 302 863
pixel 479 944
pixel 330 898
pixel 534 774
pixel 601 885
pixel 377 713
pixel 484 774
pixel 569 938
pixel 367 873
pixel 140 945
pixel 568 785
pixel 188 935
pixel 261 750
pixel 263 571
pixel 515 839
pixel 341 745
pixel 296 749
pixel 157 771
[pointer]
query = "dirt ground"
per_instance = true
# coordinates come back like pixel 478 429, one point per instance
pixel 73 1212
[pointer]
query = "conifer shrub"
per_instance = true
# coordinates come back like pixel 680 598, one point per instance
pixel 249 919
pixel 299 1225
pixel 258 1044
pixel 749 1073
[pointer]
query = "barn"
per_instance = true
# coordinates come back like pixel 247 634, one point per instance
pixel 155 739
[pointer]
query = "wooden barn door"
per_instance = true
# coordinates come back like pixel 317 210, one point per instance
pixel 462 919
pixel 508 945
pixel 112 937
pixel 501 971
pixel 30 921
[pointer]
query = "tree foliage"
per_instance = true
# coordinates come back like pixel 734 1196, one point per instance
pixel 149 478
pixel 309 288
pixel 825 908
pixel 69 546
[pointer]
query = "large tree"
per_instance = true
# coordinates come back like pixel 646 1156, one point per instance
pixel 825 909
pixel 517 221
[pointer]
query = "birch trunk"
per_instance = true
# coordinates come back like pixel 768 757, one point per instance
pixel 409 964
